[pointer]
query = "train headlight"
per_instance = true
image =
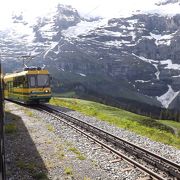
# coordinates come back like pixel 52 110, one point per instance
pixel 46 91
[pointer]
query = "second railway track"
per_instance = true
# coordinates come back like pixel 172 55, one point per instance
pixel 154 165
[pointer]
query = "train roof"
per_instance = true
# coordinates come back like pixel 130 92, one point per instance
pixel 26 72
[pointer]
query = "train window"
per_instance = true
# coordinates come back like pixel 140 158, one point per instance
pixel 19 82
pixel 25 82
pixel 10 86
pixel 32 81
pixel 15 82
pixel 5 86
pixel 43 80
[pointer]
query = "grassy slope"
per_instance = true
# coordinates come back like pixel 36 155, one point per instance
pixel 121 118
pixel 175 125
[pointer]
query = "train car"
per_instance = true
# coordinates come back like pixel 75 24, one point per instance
pixel 31 86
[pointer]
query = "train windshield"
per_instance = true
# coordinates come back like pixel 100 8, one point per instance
pixel 40 80
pixel 43 80
pixel 32 81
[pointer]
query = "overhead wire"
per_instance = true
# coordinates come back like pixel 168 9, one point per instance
pixel 92 10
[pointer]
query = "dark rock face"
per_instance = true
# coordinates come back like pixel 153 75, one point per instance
pixel 65 17
pixel 135 58
pixel 175 103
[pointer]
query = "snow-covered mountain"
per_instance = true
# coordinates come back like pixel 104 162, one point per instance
pixel 134 58
pixel 167 2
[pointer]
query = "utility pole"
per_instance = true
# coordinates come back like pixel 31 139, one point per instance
pixel 2 154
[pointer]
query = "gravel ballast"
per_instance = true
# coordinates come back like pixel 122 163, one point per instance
pixel 63 153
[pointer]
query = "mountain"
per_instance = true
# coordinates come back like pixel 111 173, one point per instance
pixel 166 2
pixel 130 60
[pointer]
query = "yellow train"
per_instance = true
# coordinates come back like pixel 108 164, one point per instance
pixel 31 86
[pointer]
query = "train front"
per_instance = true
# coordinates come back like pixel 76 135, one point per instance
pixel 39 86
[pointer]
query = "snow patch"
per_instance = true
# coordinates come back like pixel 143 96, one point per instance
pixel 83 27
pixel 52 46
pixel 114 43
pixel 169 9
pixel 22 32
pixel 133 34
pixel 133 21
pixel 162 39
pixel 170 65
pixel 142 81
pixel 48 31
pixel 168 97
pixel 81 74
pixel 157 72
pixel 176 76
pixel 111 33
pixel 152 62
pixel 145 59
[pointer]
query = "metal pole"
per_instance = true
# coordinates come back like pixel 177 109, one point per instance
pixel 2 155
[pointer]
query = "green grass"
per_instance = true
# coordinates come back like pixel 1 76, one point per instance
pixel 87 178
pixel 70 94
pixel 50 127
pixel 151 128
pixel 68 171
pixel 40 176
pixel 10 128
pixel 77 152
pixel 21 164
pixel 175 125
pixel 24 165
pixel 81 157
pixel 29 113
pixel 61 155
pixel 32 168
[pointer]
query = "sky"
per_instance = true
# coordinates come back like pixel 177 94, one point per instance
pixel 104 8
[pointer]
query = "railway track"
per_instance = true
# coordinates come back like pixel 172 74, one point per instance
pixel 152 164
